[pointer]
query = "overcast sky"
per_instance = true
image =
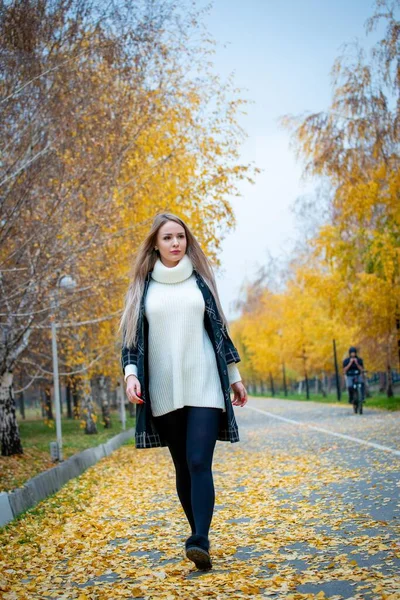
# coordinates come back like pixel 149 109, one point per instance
pixel 282 51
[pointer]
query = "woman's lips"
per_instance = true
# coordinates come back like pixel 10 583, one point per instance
pixel 175 251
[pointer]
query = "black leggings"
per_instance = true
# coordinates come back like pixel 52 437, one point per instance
pixel 191 433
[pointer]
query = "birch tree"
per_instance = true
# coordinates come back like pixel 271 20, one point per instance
pixel 109 113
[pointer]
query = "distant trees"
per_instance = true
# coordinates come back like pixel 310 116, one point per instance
pixel 346 282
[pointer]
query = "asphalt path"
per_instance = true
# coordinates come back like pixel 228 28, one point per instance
pixel 360 506
pixel 374 427
pixel 307 506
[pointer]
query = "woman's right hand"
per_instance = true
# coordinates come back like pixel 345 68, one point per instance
pixel 133 390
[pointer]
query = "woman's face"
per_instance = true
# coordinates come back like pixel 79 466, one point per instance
pixel 171 242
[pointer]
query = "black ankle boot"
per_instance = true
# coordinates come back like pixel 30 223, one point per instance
pixel 197 549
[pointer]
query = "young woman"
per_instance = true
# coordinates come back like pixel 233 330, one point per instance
pixel 179 364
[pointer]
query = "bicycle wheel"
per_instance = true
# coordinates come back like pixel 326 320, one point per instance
pixel 355 400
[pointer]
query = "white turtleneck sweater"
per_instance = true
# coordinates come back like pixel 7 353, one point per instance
pixel 182 363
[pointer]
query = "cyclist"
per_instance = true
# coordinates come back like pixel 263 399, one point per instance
pixel 353 366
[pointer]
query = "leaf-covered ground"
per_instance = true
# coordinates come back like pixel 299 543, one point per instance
pixel 299 514
pixel 36 436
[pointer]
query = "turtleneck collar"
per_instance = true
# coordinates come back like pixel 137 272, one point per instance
pixel 179 272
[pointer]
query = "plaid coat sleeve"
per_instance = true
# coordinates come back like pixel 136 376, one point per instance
pixel 217 324
pixel 231 353
pixel 129 356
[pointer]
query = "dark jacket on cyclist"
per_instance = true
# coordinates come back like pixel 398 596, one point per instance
pixel 354 370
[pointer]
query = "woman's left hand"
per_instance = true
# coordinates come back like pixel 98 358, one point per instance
pixel 240 394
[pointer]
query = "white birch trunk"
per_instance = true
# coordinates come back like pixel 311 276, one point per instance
pixel 10 437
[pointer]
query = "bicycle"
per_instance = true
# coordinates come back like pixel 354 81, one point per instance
pixel 358 395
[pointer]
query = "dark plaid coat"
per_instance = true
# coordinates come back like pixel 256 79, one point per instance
pixel 146 434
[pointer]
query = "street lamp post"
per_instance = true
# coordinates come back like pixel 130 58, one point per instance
pixel 283 364
pixel 284 378
pixel 338 390
pixel 305 373
pixel 66 282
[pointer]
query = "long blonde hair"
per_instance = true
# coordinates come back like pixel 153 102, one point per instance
pixel 144 262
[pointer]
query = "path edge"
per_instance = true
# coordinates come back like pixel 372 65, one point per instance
pixel 50 481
